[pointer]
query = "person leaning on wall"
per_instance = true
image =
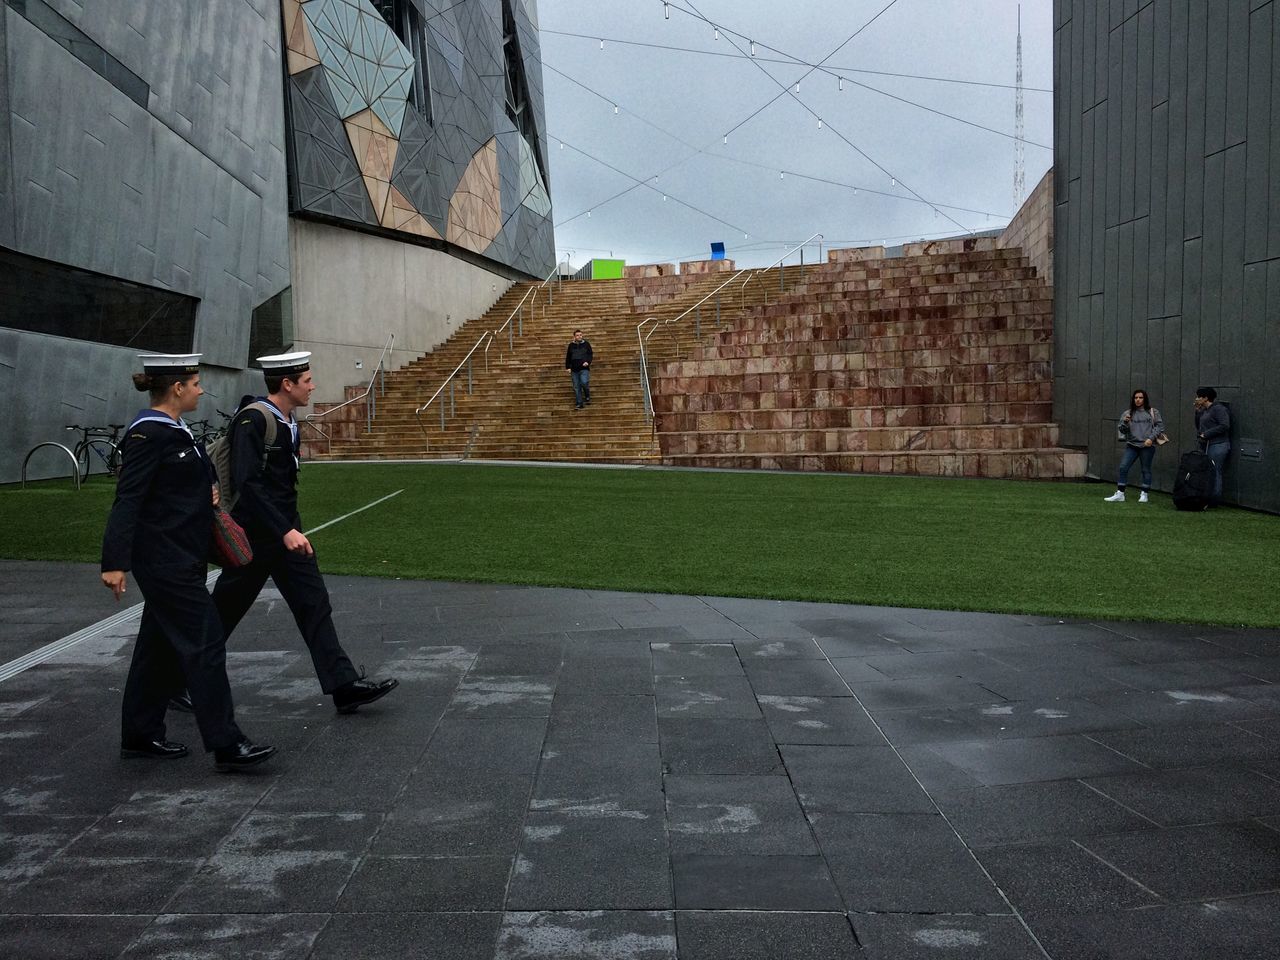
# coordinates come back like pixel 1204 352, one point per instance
pixel 1142 429
pixel 160 528
pixel 1213 433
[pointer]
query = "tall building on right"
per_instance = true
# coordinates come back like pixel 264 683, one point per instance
pixel 1167 226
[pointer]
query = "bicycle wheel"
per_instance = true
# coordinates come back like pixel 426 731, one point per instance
pixel 97 454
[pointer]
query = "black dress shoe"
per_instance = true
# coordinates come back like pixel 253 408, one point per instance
pixel 182 703
pixel 244 754
pixel 159 749
pixel 357 693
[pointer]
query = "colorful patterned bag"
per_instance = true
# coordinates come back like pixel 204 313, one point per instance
pixel 230 547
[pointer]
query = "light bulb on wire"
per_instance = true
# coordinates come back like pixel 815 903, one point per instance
pixel 753 48
pixel 666 9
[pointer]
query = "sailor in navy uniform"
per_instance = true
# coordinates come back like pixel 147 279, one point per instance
pixel 160 529
pixel 265 480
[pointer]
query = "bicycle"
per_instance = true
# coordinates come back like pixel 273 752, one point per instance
pixel 98 445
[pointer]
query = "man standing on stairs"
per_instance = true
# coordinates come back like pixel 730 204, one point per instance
pixel 577 360
pixel 264 483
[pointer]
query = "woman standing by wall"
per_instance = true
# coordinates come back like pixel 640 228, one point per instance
pixel 160 529
pixel 1139 427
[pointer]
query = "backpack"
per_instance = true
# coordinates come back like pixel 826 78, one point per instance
pixel 1193 486
pixel 219 453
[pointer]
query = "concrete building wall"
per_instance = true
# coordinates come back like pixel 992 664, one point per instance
pixel 1167 215
pixel 418 294
pixel 183 189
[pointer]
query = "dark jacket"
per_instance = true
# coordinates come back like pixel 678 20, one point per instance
pixel 578 355
pixel 162 517
pixel 267 507
pixel 1214 423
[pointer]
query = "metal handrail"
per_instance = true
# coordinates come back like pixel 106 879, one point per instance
pixel 448 382
pixel 644 364
pixel 379 377
pixel 530 297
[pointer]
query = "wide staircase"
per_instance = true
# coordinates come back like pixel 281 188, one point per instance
pixel 518 403
pixel 937 365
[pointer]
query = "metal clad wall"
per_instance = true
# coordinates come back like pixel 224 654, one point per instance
pixel 1168 218
pixel 187 194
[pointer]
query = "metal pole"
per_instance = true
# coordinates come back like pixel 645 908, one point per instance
pixel 453 407
pixel 522 319
pixel 469 362
pixel 717 311
pixel 511 335
pixel 442 416
pixel 697 323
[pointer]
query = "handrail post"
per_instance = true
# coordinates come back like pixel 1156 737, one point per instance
pixel 522 318
pixel 469 388
pixel 782 272
pixel 717 311
pixel 453 407
pixel 511 342
pixel 697 324
pixel 442 416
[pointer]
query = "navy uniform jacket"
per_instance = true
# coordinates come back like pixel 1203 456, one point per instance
pixel 163 512
pixel 267 504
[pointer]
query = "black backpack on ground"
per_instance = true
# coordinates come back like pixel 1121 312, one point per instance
pixel 1193 487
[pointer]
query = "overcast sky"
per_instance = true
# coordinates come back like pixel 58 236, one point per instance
pixel 674 109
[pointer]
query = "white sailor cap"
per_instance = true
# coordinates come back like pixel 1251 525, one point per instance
pixel 170 363
pixel 286 364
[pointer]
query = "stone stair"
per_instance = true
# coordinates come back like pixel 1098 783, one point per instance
pixel 936 364
pixel 521 406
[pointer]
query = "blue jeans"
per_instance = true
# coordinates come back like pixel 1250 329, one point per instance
pixel 1217 451
pixel 1146 455
pixel 581 385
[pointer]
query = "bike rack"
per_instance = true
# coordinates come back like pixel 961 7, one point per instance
pixel 75 464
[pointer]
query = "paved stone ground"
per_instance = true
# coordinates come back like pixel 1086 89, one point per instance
pixel 574 774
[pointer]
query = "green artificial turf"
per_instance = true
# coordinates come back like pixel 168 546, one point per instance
pixel 1044 548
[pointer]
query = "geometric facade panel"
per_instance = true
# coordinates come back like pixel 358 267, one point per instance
pixel 366 65
pixel 450 164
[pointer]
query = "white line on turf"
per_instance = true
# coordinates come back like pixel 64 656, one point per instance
pixel 51 650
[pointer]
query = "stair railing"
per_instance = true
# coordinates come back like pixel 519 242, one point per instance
pixel 747 275
pixel 379 377
pixel 450 381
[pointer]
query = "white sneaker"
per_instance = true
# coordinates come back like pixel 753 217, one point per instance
pixel 1117 497
pixel 1142 497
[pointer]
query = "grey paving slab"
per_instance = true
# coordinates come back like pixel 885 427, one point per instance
pixel 602 717
pixel 757 649
pixel 213 937
pixel 394 936
pixel 391 884
pixel 1194 795
pixel 1247 928
pixel 726 935
pixel 709 659
pixel 587 935
pixel 539 739
pixel 886 936
pixel 806 678
pixel 1041 758
pixel 717 696
pixel 819 720
pixel 710 746
pixel 1034 811
pixel 1198 862
pixel 903 863
pixel 99 886
pixel 1058 877
pixel 288 882
pixel 569 862
pixel 841 779
pixel 1177 706
pixel 736 815
pixel 753 882
pixel 68 937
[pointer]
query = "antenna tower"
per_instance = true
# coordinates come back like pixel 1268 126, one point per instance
pixel 1020 162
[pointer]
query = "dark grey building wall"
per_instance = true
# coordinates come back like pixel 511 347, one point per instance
pixel 1167 220
pixel 188 192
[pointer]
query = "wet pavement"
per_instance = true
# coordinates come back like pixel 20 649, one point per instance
pixel 584 774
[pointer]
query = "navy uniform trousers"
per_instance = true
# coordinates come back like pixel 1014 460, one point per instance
pixel 299 581
pixel 180 644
